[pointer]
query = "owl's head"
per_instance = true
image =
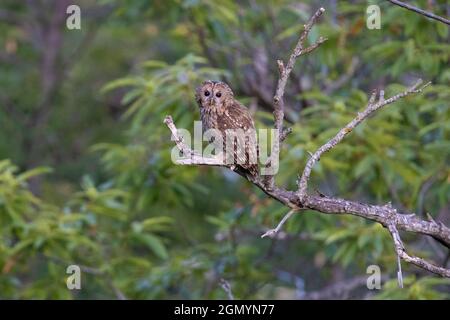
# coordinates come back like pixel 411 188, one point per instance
pixel 213 94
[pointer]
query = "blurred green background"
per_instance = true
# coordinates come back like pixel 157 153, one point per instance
pixel 85 170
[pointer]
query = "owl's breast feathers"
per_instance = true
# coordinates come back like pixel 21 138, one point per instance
pixel 235 119
pixel 209 117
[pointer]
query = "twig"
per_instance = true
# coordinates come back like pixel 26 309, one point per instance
pixel 193 158
pixel 399 272
pixel 227 288
pixel 119 294
pixel 279 236
pixel 420 11
pixel 285 133
pixel 397 244
pixel 371 108
pixel 272 232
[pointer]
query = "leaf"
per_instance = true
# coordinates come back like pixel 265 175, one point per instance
pixel 227 13
pixel 341 234
pixel 33 172
pixel 442 30
pixel 106 211
pixel 123 82
pixel 21 246
pixel 153 243
pixel 349 254
pixel 293 30
pixel 364 166
pixel 156 223
pixel 7 165
pixel 363 240
pixel 154 64
pixel 217 221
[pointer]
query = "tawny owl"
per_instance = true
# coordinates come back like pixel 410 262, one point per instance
pixel 220 110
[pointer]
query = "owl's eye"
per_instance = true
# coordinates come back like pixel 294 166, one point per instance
pixel 218 94
pixel 206 93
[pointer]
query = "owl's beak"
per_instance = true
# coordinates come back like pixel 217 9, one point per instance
pixel 210 101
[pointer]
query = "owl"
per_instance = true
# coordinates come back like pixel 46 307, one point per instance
pixel 221 111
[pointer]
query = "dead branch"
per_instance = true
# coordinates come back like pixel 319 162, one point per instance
pixel 227 288
pixel 272 232
pixel 285 71
pixel 386 215
pixel 191 157
pixel 371 108
pixel 420 11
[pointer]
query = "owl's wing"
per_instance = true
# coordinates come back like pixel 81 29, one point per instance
pixel 237 116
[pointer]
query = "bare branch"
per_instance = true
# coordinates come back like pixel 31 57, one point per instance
pixel 381 214
pixel 420 11
pixel 193 158
pixel 371 108
pixel 272 232
pixel 118 293
pixel 402 254
pixel 285 71
pixel 285 133
pixel 397 243
pixel 227 288
pixel 186 150
pixel 242 233
pixel 299 199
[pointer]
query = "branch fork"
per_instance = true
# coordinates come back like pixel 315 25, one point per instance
pixel 299 199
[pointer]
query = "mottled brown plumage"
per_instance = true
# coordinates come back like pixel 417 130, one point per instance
pixel 219 110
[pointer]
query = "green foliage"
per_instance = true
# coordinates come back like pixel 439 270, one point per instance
pixel 116 205
pixel 415 289
pixel 356 240
pixel 96 228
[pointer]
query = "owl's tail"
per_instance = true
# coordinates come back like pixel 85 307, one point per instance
pixel 254 168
